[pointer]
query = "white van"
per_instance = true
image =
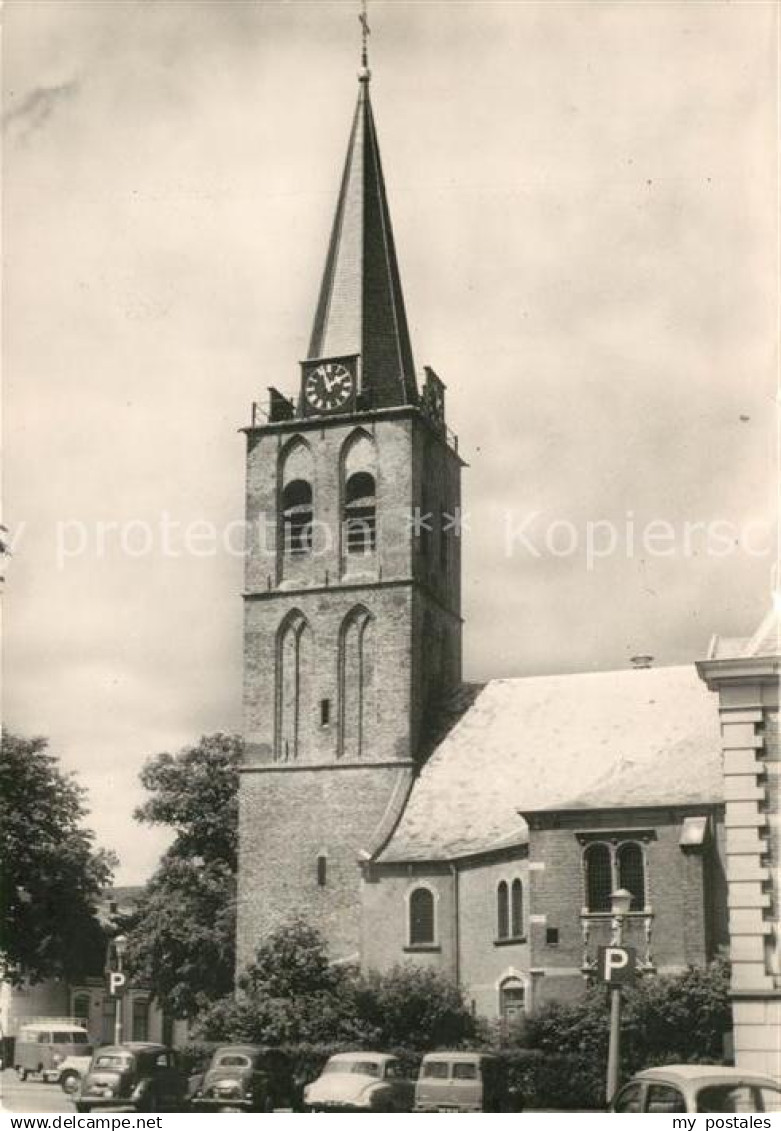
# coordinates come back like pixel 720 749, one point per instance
pixel 41 1047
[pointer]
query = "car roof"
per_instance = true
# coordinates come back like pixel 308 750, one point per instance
pixel 246 1050
pixel 133 1046
pixel 709 1073
pixel 360 1055
pixel 459 1054
pixel 43 1027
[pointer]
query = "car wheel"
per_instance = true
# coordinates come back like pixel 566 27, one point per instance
pixel 83 1108
pixel 21 1072
pixel 69 1082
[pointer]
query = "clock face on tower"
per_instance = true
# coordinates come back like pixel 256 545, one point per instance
pixel 328 387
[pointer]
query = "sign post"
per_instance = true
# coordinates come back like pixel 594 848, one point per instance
pixel 116 986
pixel 617 966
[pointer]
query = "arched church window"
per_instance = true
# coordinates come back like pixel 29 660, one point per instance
pixel 360 513
pixel 502 911
pixel 293 662
pixel 631 873
pixel 598 876
pixel 356 679
pixel 297 517
pixel 516 909
pixel 421 918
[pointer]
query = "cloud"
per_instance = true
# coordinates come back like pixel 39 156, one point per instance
pixel 38 106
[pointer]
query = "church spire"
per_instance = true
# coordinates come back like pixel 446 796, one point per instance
pixel 361 307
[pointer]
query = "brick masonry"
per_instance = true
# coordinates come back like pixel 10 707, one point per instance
pixel 300 801
pixel 686 900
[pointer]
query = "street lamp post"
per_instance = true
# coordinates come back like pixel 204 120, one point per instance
pixel 620 902
pixel 120 945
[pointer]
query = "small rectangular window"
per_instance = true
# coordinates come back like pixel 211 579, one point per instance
pixel 552 936
pixel 325 712
pixel 322 867
pixel 464 1071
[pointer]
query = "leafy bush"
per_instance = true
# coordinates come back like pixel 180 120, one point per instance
pixel 415 1006
pixel 291 995
pixel 667 1018
pixel 195 1057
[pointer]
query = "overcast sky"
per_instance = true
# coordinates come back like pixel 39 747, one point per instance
pixel 584 199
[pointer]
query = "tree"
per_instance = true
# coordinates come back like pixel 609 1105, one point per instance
pixel 181 943
pixel 292 994
pixel 52 873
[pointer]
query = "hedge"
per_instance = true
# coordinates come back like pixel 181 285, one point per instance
pixel 563 1083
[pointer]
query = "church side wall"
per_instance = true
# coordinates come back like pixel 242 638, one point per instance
pixel 385 893
pixel 684 926
pixel 486 960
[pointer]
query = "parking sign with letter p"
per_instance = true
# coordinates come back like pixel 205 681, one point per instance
pixel 617 965
pixel 116 982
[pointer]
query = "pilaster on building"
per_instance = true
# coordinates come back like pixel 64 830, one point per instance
pixel 745 673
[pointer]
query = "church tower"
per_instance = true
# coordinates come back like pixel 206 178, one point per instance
pixel 352 591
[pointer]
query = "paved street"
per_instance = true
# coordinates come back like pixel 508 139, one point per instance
pixel 32 1095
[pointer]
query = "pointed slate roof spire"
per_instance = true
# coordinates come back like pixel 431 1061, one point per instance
pixel 361 306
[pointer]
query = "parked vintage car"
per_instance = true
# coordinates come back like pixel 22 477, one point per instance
pixel 361 1081
pixel 41 1047
pixel 246 1078
pixel 677 1088
pixel 139 1075
pixel 72 1071
pixel 464 1081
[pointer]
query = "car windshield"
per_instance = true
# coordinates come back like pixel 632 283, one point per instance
pixel 436 1069
pixel 232 1060
pixel 359 1067
pixel 115 1060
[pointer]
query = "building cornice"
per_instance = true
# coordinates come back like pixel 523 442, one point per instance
pixel 365 416
pixel 351 587
pixel 315 767
pixel 739 669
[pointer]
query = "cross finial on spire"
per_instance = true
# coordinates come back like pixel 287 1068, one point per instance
pixel 364 74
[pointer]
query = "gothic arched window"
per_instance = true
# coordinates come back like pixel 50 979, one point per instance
pixel 297 517
pixel 516 909
pixel 631 873
pixel 421 917
pixel 502 911
pixel 358 481
pixel 599 877
pixel 296 504
pixel 360 513
pixel 356 677
pixel 293 661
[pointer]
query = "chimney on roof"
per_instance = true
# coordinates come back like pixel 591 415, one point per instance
pixel 642 661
